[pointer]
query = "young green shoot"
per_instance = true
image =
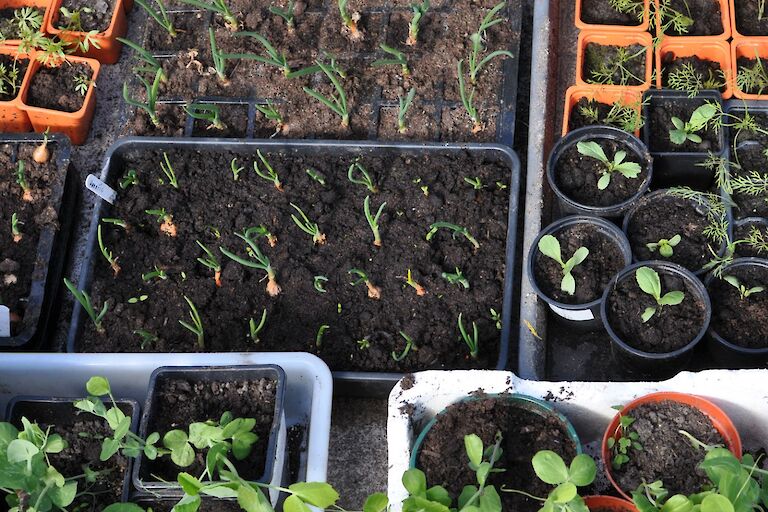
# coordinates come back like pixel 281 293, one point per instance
pixel 320 333
pixel 82 84
pixel 156 273
pixel 476 63
pixel 148 64
pixel 336 102
pixel 475 182
pixel 268 173
pixel 374 292
pixel 236 169
pixel 592 149
pixel 288 14
pixel 206 112
pixel 408 346
pixel 649 282
pixel 147 338
pixel 85 301
pixel 623 439
pixel 472 341
pixel 21 180
pixel 273 57
pixel 455 231
pixel 419 10
pixel 468 101
pixel 363 344
pixel 160 15
pixel 130 179
pixel 349 21
pixel 496 317
pixel 316 176
pixel 149 105
pixel 318 283
pixel 255 328
pixel 259 262
pixel 402 110
pixel 196 327
pixel 744 292
pixel 364 179
pixel 549 246
pixel 261 230
pixel 165 220
pixel 111 259
pixel 664 246
pixel 167 169
pixel 752 79
pixel 10 81
pixel 272 114
pixel 687 79
pixel 373 220
pixel 219 59
pixel 72 21
pixel 219 7
pixel 137 300
pixel 398 59
pixel 456 278
pixel 410 281
pixel 15 228
pixel 684 131
pixel 210 261
pixel 115 222
pixel 307 226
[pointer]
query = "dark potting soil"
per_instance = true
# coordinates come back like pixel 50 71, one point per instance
pixel 188 26
pixel 706 16
pixel 600 12
pixel 207 505
pixel 18 259
pixel 94 14
pixel 209 201
pixel 707 71
pixel 741 321
pixel 663 218
pixel 9 29
pixel 659 120
pixel 667 455
pixel 20 66
pixel 592 275
pixel 172 118
pixel 444 460
pixel 748 19
pixel 760 119
pixel 579 118
pixel 606 58
pixel 751 160
pixel 671 328
pixel 54 88
pixel 577 175
pixel 746 63
pixel 234 117
pixel 750 250
pixel 179 402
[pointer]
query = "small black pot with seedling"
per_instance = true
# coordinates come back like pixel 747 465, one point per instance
pixel 571 262
pixel 752 235
pixel 682 132
pixel 655 314
pixel 598 170
pixel 748 179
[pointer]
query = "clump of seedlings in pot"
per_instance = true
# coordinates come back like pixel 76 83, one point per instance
pixel 402 110
pixel 456 278
pixel 398 59
pixel 288 14
pixel 21 181
pixel 219 7
pixel 687 79
pixel 16 228
pixel 419 10
pixel 349 21
pixel 627 169
pixel 309 227
pixel 673 19
pixel 111 259
pixel 687 130
pixel 149 105
pixel 160 15
pixel 165 220
pixel 254 328
pixel 72 21
pixel 272 114
pixel 410 281
pixel 752 79
pixel 744 292
pixel 408 346
pixel 268 173
pixel 210 261
pixel 374 292
pixel 336 102
pixel 455 229
pixel 664 246
pixel 206 112
pixel 471 341
pixel 196 327
pixel 365 180
pixel 373 220
pixel 649 282
pixel 259 262
pixel 85 300
pixel 549 246
pixel 623 440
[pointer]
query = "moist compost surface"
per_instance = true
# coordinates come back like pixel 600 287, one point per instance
pixel 600 12
pixel 606 58
pixel 741 321
pixel 9 29
pixel 751 160
pixel 54 88
pixel 745 63
pixel 205 506
pixel 706 16
pixel 592 275
pixel 20 66
pixel 671 328
pixel 19 259
pixel 667 455
pixel 94 14
pixel 659 120
pixel 577 175
pixel 209 203
pixel 748 19
pixel 444 460
pixel 664 217
pixel 707 71
pixel 178 402
pixel 751 250
pixel 578 118
pixel 235 120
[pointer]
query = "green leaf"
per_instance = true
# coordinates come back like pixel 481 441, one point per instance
pixel 550 247
pixel 578 257
pixel 568 284
pixel 175 439
pixel 294 504
pixel 648 314
pixel 482 472
pixel 189 483
pixel 582 470
pixel 549 467
pixel 675 240
pixel 716 503
pixel 123 507
pixel 150 452
pixel 604 181
pixel 563 493
pixel 203 435
pixel 415 482
pixel 114 417
pixel 672 298
pixel 109 447
pixel 242 443
pixel 701 116
pixel 21 450
pixel 694 138
pixel 123 428
pixel 183 456
pixel 7 434
pixel 648 281
pixel 490 500
pixel 252 500
pixel 677 503
pixel 98 386
pixel 592 149
pixel 666 251
pixel 439 494
pixel 188 504
pixel 63 496
pixel 629 169
pixel 376 502
pixel 419 504
pixel 466 493
pixel 677 136
pixel 226 490
pixel 319 494
pixel 152 438
pixel 55 444
pixel 678 123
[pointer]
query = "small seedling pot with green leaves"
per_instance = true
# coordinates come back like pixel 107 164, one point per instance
pixel 655 313
pixel 599 171
pixel 104 46
pixel 754 231
pixel 737 334
pixel 681 133
pixel 585 270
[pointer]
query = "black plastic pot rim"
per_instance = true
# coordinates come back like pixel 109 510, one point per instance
pixel 670 268
pixel 751 220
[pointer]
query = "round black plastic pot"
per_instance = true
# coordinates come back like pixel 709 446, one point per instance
pixel 650 363
pixel 584 317
pixel 722 351
pixel 673 169
pixel 596 133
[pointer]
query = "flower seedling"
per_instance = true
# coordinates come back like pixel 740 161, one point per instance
pixel 21 180
pixel 9 79
pixel 72 21
pixel 398 59
pixel 111 259
pixel 85 300
pixel 365 178
pixel 410 281
pixel 288 14
pixel 363 344
pixel 373 220
pixel 167 169
pixel 211 261
pixel 673 18
pixel 336 102
pixel 374 292
pixel 206 112
pixel 268 173
pixel 456 231
pixel 15 228
pixel 684 131
pixel 419 10
pixel 273 57
pixel 236 169
pixel 402 110
pixel 744 292
pixel 687 79
pixel 255 328
pixel 320 333
pixel 130 179
pixel 349 21
pixel 157 273
pixel 27 19
pixel 752 79
pixel 496 318
pixel 309 227
pixel 474 182
pixel 467 100
pixel 219 7
pixel 649 282
pixel 82 83
pixel 549 246
pixel 196 327
pixel 623 440
pixel 664 246
pixel 160 15
pixel 137 300
pixel 149 105
pixel 627 169
pixel 457 278
pixel 271 113
pixel 165 220
pixel 476 63
pixel 472 342
pixel 408 346
pixel 259 262
pixel 319 283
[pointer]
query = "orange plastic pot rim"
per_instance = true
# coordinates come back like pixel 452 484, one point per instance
pixel 725 19
pixel 615 39
pixel 703 48
pixel 600 93
pixel 642 27
pixel 108 33
pixel 75 116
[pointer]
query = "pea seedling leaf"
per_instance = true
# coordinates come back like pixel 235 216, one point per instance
pixel 677 503
pixel 98 386
pixel 376 502
pixel 54 444
pixel 64 495
pixel 439 494
pixel 319 494
pixel 415 482
pixel 466 493
pixel 189 483
pixel 188 504
pixel 549 467
pixel 21 450
pixel 252 500
pixel 109 447
pixel 716 503
pixel 563 493
pixel 582 470
pixel 474 447
pixel 294 504
pixel 490 500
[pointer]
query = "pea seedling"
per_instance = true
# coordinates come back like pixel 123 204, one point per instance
pixel 664 246
pixel 408 346
pixel 236 169
pixel 476 64
pixel 365 180
pixel 288 14
pixel 627 169
pixel 111 259
pixel 403 105
pixel 374 292
pixel 456 278
pixel 419 10
pixel 456 231
pixel 167 169
pixel 649 282
pixel 472 342
pixel 373 220
pixel 398 59
pixel 21 180
pixel 219 7
pixel 196 327
pixel 684 131
pixel 268 173
pixel 15 228
pixel 255 328
pixel 319 283
pixel 160 15
pixel 206 112
pixel 259 262
pixel 410 281
pixel 308 226
pixel 349 21
pixel 744 292
pixel 549 246
pixel 85 300
pixel 336 102
pixel 210 261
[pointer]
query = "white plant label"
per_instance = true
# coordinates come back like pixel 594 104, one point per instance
pixel 578 315
pixel 100 188
pixel 5 322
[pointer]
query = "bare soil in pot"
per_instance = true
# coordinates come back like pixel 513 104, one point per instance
pixel 178 402
pixel 753 232
pixel 172 117
pixel 738 320
pixel 9 28
pixel 592 275
pixel 667 455
pixel 708 71
pixel 598 58
pixel 661 112
pixel 54 87
pixel 751 160
pixel 443 459
pixel 583 114
pixel 706 16
pixel 748 19
pixel 94 14
pixel 188 27
pixel 601 12
pixel 205 506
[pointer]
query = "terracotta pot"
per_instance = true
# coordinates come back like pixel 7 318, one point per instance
pixel 751 48
pixel 74 125
pixel 611 503
pixel 642 27
pixel 725 19
pixel 601 94
pixel 720 420
pixel 109 53
pixel 16 4
pixel 609 38
pixel 701 47
pixel 12 117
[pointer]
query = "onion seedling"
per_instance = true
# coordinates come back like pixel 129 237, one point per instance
pixel 665 247
pixel 308 226
pixel 206 112
pixel 744 292
pixel 468 101
pixel 350 21
pixel 457 230
pixel 111 259
pixel 259 262
pixel 549 246
pixel 420 291
pixel 319 336
pixel 152 91
pixel 456 278
pixel 268 173
pixel 21 180
pixel 374 292
pixel 85 300
pixel 592 149
pixel 156 273
pixel 166 221
pixel 210 261
pixel 408 345
pixel 219 7
pixel 684 131
pixel 130 179
pixel 365 180
pixel 115 222
pixel 649 282
pixel 288 14
pixel 260 230
pixel 271 113
pixel 236 169
pixel 15 229
pixel 255 328
pixel 373 220
pixel 475 182
pixel 42 154
pixel 319 283
pixel 148 63
pixel 476 64
pixel 196 327
pixel 219 59
pixel 473 341
pixel 273 58
pixel 403 105
pixel 160 15
pixel 336 102
pixel 398 59
pixel 167 169
pixel 316 176
pixel 419 10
